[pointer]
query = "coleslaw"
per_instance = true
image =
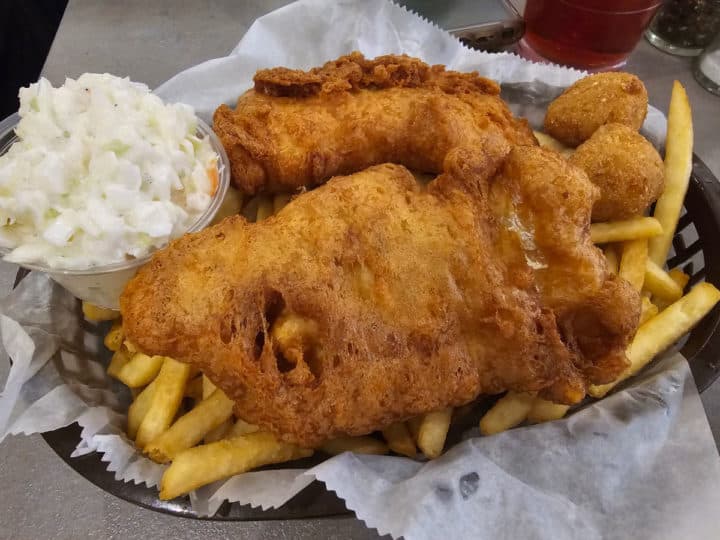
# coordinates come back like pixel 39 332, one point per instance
pixel 103 172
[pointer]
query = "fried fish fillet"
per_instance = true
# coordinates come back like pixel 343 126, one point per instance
pixel 298 128
pixel 373 299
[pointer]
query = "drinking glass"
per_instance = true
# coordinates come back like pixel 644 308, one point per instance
pixel 589 34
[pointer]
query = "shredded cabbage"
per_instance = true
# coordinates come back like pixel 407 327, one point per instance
pixel 103 172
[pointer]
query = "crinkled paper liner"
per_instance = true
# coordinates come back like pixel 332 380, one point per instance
pixel 641 463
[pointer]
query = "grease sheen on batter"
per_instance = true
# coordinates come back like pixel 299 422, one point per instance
pixel 373 299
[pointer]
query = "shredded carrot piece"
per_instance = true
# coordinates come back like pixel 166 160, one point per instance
pixel 212 173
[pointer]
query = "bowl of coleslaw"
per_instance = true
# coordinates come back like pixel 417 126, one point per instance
pixel 98 174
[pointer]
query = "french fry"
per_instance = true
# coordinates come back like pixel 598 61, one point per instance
pixel 130 346
pixel 265 208
pixel 220 432
pixel 98 314
pixel 611 256
pixel 140 370
pixel 622 231
pixel 414 426
pixel 114 338
pixel 678 166
pixel 433 431
pixel 543 410
pixel 399 439
pixel 139 408
pixel 250 208
pixel 207 387
pixel 241 427
pixel 169 388
pixel 660 284
pixel 663 330
pixel 358 445
pixel 208 463
pixel 194 389
pixel 648 310
pixel 189 429
pixel 509 411
pixel 632 263
pixel 118 361
pixel 280 201
pixel 546 141
pixel 231 205
pixel 679 277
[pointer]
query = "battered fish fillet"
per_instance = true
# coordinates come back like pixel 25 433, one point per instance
pixel 299 128
pixel 373 299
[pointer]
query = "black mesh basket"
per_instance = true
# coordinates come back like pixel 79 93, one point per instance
pixel 692 252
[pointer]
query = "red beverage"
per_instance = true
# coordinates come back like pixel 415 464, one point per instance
pixel 593 34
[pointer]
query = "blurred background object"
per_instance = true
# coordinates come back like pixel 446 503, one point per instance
pixel 707 67
pixel 27 29
pixel 589 34
pixel 685 27
pixel 494 24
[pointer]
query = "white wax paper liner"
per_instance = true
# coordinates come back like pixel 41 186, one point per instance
pixel 595 474
pixel 641 463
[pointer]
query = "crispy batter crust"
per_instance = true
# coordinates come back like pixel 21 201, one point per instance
pixel 372 299
pixel 355 72
pixel 300 128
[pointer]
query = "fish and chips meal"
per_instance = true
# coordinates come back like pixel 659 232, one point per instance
pixel 397 245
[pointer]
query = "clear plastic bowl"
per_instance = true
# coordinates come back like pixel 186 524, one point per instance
pixel 102 285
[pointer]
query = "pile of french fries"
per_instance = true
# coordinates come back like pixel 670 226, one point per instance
pixel 179 417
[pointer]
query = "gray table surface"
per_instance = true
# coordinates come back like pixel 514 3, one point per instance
pixel 150 42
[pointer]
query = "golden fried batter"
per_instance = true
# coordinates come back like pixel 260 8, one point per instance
pixel 373 299
pixel 596 100
pixel 627 169
pixel 299 128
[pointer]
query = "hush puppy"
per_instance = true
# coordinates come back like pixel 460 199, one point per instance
pixel 627 169
pixel 593 101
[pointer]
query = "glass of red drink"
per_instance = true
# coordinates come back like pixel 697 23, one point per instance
pixel 590 34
